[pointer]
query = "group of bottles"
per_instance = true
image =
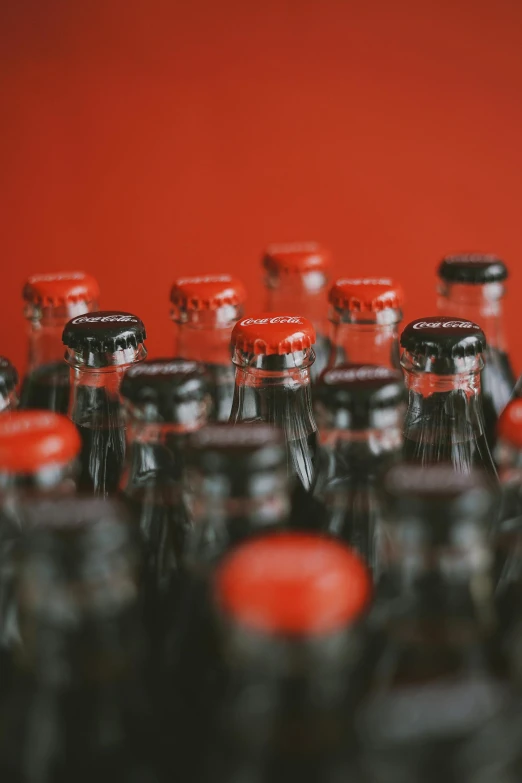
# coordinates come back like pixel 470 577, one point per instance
pixel 291 550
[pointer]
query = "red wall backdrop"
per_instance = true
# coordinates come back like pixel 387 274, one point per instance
pixel 141 140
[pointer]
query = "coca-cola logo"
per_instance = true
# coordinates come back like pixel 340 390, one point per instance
pixel 276 319
pixel 364 281
pixel 436 478
pixel 51 278
pixel 114 318
pixel 230 436
pixel 445 325
pixel 365 373
pixel 169 368
pixel 204 279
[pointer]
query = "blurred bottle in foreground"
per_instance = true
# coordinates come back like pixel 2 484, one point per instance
pixel 8 384
pixel 273 355
pixel 51 300
pixel 38 457
pixel 360 413
pixel 471 287
pixel 442 360
pixel 290 607
pixel 237 488
pixel 365 314
pixel 296 281
pixel 76 709
pixel 438 674
pixel 165 400
pixel 205 309
pixel 99 348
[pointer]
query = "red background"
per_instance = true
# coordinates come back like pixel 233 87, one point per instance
pixel 141 140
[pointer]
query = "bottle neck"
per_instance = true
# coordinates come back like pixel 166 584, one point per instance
pixel 94 397
pixel 356 448
pixel 229 508
pixel 304 294
pixel 268 390
pixel 479 303
pixel 205 339
pixel 45 342
pixel 439 567
pixel 364 343
pixel 59 479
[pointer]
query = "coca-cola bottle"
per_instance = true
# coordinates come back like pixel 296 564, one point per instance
pixel 471 287
pixel 360 412
pixel 77 709
pixel 289 607
pixel 38 454
pixel 442 359
pixel 365 313
pixel 205 309
pixel 51 300
pixel 437 674
pixel 296 281
pixel 273 354
pixel 8 384
pixel 508 536
pixel 99 348
pixel 236 487
pixel 165 400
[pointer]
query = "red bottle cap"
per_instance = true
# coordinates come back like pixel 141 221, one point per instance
pixel 273 333
pixel 366 294
pixel 32 440
pixel 207 292
pixel 296 257
pixel 509 427
pixel 61 288
pixel 293 583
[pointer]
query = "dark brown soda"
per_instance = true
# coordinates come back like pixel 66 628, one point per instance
pixel 47 388
pixel 102 455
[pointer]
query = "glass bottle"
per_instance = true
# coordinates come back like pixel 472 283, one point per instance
pixel 442 359
pixel 359 410
pixel 165 400
pixel 236 487
pixel 437 674
pixel 273 354
pixel 471 287
pixel 365 314
pixel 289 611
pixel 38 457
pixel 99 348
pixel 51 300
pixel 76 709
pixel 205 309
pixel 296 281
pixel 8 384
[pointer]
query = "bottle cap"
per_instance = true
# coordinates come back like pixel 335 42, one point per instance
pixel 509 427
pixel 362 296
pixel 33 440
pixel 442 344
pixel 8 377
pixel 438 494
pixel 472 268
pixel 293 584
pixel 160 389
pixel 296 257
pixel 358 391
pixel 207 292
pixel 238 449
pixel 61 288
pixel 104 331
pixel 273 333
